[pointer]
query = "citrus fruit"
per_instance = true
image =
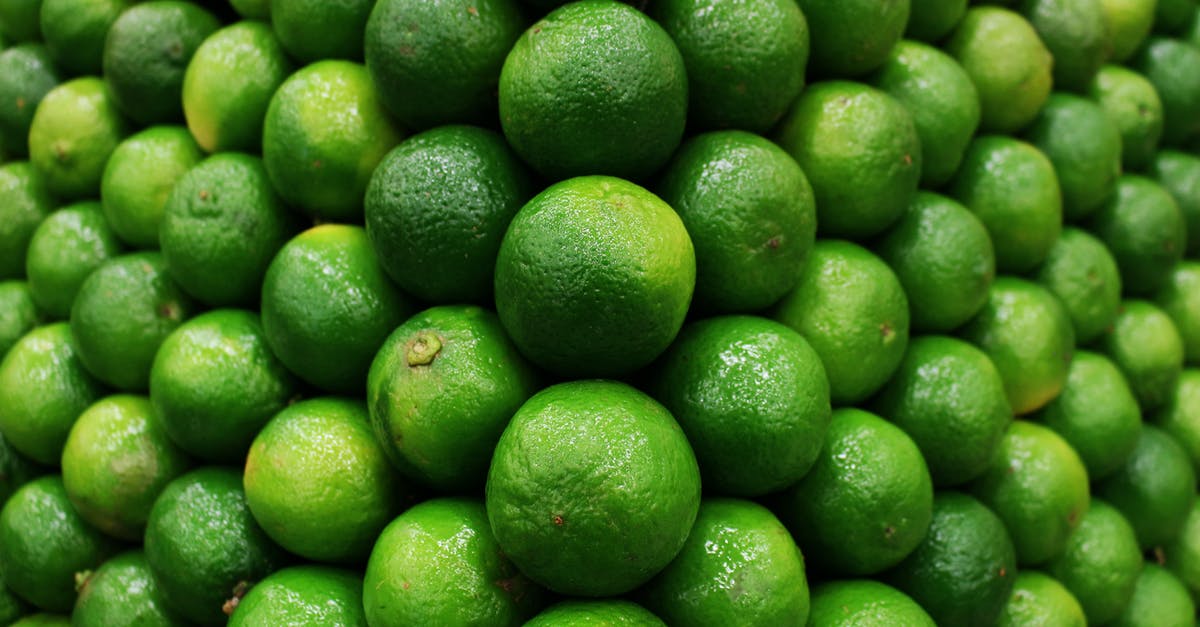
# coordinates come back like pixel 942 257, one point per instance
pixel 1145 344
pixel 439 564
pixel 146 53
pixel 1084 145
pixel 138 178
pixel 1081 272
pixel 115 462
pixel 1154 489
pixel 1144 229
pixel 1007 61
pixel 26 74
pixel 15 471
pixel 203 546
pixel 330 340
pixel 931 20
pixel 1159 600
pixel 750 213
pixel 311 30
pixel 449 51
pixel 602 613
pixel 739 566
pixel 318 482
pixel 1038 486
pixel 440 391
pixel 1129 22
pixel 943 257
pixel 24 203
pixel 1077 36
pixel 1171 16
pixel 18 313
pixel 1179 173
pixel 252 9
pixel 1038 599
pixel 121 592
pixel 228 85
pixel 65 248
pixel 122 313
pixel 43 389
pixel 43 620
pixel 74 130
pixel 1180 417
pixel 43 543
pixel 942 100
pixel 557 120
pixel 222 224
pixel 1180 299
pixel 963 572
pixel 75 31
pixel 1013 189
pixel 1164 62
pixel 867 502
pixel 861 151
pixel 950 399
pixel 1096 414
pixel 437 207
pixel 1026 332
pixel 745 61
pixel 325 131
pixel 1101 563
pixel 1182 556
pixel 592 488
pixel 1132 103
pixel 850 307
pixel 19 20
pixel 864 603
pixel 594 277
pixel 752 398
pixel 13 607
pixel 214 383
pixel 853 37
pixel 303 595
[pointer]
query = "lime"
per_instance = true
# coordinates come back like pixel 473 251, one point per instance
pixel 75 31
pixel 252 9
pixel 1179 173
pixel 121 592
pixel 1165 63
pixel 18 313
pixel 931 20
pixel 1154 489
pixel 1171 16
pixel 138 178
pixel 26 75
pixel 43 620
pixel 303 595
pixel 1040 600
pixel 751 215
pixel 1132 103
pixel 19 20
pixel 24 203
pixel 752 398
pixel 66 247
pixel 1076 34
pixel 1145 230
pixel 1101 563
pixel 1180 417
pixel 311 30
pixel 1159 600
pixel 603 613
pixel 1129 22
pixel 1081 272
pixel 75 129
pixel 864 603
pixel 1145 344
pixel 1183 555
pixel 1180 299
pixel 853 37
pixel 1084 145
pixel 578 462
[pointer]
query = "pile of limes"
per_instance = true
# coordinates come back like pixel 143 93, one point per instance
pixel 531 312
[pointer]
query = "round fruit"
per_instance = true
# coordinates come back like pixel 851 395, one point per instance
pixel 1165 63
pixel 1076 34
pixel 1132 103
pixel 75 129
pixel 1081 272
pixel 18 313
pixel 303 595
pixel 24 203
pixel 598 613
pixel 853 37
pixel 1180 417
pixel 1084 145
pixel 1180 299
pixel 1145 230
pixel 1101 563
pixel 138 178
pixel 26 75
pixel 121 592
pixel 1179 173
pixel 864 603
pixel 75 31
pixel 311 30
pixel 1160 599
pixel 931 20
pixel 66 247
pixel 1040 600
pixel 1145 344
pixel 1183 555
pixel 1154 489
pixel 1129 22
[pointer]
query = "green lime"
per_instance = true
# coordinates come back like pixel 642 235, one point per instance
pixel 1159 600
pixel 864 603
pixel 146 53
pixel 578 461
pixel 311 30
pixel 963 572
pixel 745 61
pixel 1076 34
pixel 931 20
pixel 18 313
pixel 1007 61
pixel 1096 414
pixel 19 21
pixel 66 247
pixel 324 133
pixel 1179 173
pixel 1171 16
pixel 43 389
pixel 122 592
pixel 204 547
pixel 861 151
pixel 949 398
pixel 752 398
pixel 15 471
pixel 851 308
pixel 1038 486
pixel 594 277
pixel 1129 22
pixel 303 595
pixel 1180 417
pixel 75 31
pixel 1084 145
pixel 1183 555
pixel 24 203
pixel 1101 563
pixel 26 75
pixel 437 207
pixel 853 37
pixel 867 502
pixel 1013 188
pixel 942 100
pixel 1154 489
pixel 252 9
pixel 751 215
pixel 739 566
pixel 1040 600
pixel 1145 344
pixel 439 564
pixel 1166 62
pixel 329 341
pixel 215 382
pixel 319 483
pixel 228 85
pixel 449 52
pixel 13 607
pixel 1180 299
pixel 1132 103
pixel 75 129
pixel 943 256
pixel 1145 230
pixel 122 313
pixel 602 613
pixel 222 224
pixel 43 543
pixel 43 620
pixel 440 392
pixel 1081 272
pixel 138 178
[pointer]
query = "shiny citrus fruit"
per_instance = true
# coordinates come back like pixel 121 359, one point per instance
pixel 75 129
pixel 66 247
pixel 1164 62
pixel 1154 489
pixel 1081 272
pixel 1159 600
pixel 1084 145
pixel 138 178
pixel 26 75
pixel 75 31
pixel 18 313
pixel 303 595
pixel 1145 230
pixel 1145 344
pixel 853 37
pixel 864 603
pixel 602 613
pixel 24 203
pixel 1182 556
pixel 1076 34
pixel 1038 599
pixel 1179 173
pixel 1129 22
pixel 1101 563
pixel 1180 417
pixel 311 30
pixel 1132 103
pixel 121 592
pixel 1180 299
